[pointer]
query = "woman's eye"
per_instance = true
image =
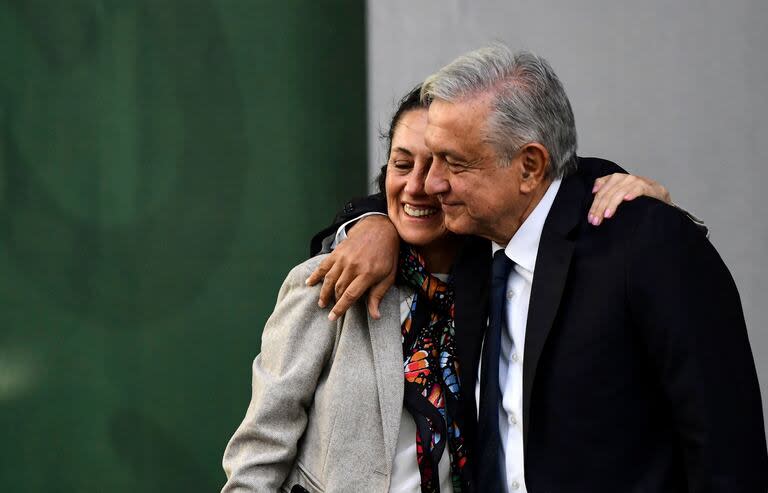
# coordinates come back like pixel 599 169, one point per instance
pixel 403 165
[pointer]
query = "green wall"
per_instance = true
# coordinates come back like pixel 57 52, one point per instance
pixel 162 166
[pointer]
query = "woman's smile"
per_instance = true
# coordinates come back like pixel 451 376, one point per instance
pixel 420 211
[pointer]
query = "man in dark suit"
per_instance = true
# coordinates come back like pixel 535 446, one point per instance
pixel 616 358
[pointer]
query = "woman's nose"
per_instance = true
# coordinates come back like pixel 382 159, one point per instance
pixel 415 184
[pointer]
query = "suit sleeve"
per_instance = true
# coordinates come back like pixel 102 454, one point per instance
pixel 593 168
pixel 352 209
pixel 297 342
pixel 689 312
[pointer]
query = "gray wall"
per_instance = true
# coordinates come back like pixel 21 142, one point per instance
pixel 672 90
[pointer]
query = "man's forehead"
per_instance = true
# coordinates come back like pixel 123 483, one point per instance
pixel 470 110
pixel 455 120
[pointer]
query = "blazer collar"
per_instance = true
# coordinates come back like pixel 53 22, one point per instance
pixel 552 264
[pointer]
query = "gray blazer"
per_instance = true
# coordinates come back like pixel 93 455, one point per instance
pixel 326 399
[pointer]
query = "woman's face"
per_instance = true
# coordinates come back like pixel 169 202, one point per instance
pixel 417 217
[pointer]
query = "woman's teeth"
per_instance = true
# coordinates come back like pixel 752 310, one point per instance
pixel 423 212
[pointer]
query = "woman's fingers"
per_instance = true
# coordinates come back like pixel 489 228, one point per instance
pixel 605 191
pixel 610 191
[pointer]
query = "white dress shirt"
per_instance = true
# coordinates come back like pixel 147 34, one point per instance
pixel 522 249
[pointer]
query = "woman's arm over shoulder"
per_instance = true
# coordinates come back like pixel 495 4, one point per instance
pixel 297 342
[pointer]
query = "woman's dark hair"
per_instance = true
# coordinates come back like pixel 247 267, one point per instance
pixel 411 101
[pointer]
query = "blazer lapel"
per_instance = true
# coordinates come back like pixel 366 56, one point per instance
pixel 386 343
pixel 550 273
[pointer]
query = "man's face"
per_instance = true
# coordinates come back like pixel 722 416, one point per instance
pixel 477 196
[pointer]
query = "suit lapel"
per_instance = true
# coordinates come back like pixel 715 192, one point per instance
pixel 550 273
pixel 471 283
pixel 387 347
pixel 471 276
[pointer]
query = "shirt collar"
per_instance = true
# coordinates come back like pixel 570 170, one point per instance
pixel 523 248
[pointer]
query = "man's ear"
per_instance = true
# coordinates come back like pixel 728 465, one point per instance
pixel 534 163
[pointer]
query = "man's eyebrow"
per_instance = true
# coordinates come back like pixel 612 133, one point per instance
pixel 450 153
pixel 463 162
pixel 403 150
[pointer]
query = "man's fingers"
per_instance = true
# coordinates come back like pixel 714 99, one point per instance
pixel 377 294
pixel 320 271
pixel 328 287
pixel 348 298
pixel 342 283
pixel 373 306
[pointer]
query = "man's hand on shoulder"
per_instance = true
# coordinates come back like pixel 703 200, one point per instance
pixel 365 261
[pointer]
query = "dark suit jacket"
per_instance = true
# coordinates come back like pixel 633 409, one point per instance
pixel 637 371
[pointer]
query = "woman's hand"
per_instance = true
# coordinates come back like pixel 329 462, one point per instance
pixel 612 190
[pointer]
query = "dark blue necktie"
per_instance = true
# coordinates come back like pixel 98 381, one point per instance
pixel 490 466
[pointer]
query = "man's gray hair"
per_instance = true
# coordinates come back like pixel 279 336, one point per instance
pixel 529 102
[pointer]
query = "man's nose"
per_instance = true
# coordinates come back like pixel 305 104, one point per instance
pixel 437 181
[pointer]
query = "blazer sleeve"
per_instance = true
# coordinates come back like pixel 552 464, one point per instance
pixel 296 344
pixel 352 209
pixel 691 319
